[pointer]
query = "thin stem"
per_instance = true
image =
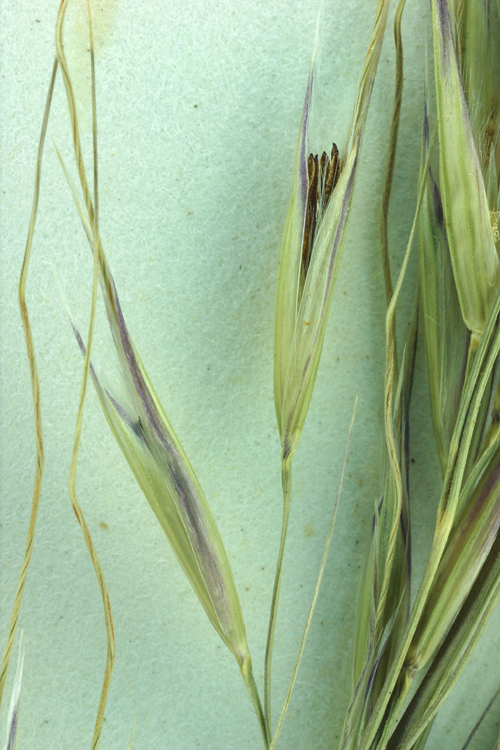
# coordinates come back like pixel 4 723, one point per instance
pixel 316 588
pixel 35 388
pixel 247 674
pixel 480 720
pixel 286 482
pixel 97 251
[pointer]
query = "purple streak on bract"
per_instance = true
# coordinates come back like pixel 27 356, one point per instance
pixel 206 557
pixel 134 425
pixel 379 511
pixel 11 742
pixel 373 673
pixel 303 176
pixel 369 685
pixel 139 384
pixel 83 350
pixel 490 485
pixel 437 202
pixel 444 29
pixel 186 492
pixel 426 120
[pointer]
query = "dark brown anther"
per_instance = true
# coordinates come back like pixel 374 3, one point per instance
pixel 322 176
pixel 310 168
pixel 312 207
pixel 310 221
pixel 325 164
pixel 332 175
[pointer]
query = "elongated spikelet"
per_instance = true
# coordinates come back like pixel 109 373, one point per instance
pixel 466 211
pixel 164 473
pixel 311 249
pixel 446 336
pixel 148 440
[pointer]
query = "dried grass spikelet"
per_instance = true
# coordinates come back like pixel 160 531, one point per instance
pixel 465 202
pixel 461 585
pixel 446 336
pixel 468 120
pixel 465 211
pixel 464 585
pixel 160 465
pixel 463 81
pixel 311 249
pixel 165 475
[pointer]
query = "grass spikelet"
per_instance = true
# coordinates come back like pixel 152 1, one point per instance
pixel 465 205
pixel 317 218
pixel 446 336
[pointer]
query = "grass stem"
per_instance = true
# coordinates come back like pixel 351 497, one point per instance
pixel 248 678
pixel 317 586
pixel 35 388
pixel 286 482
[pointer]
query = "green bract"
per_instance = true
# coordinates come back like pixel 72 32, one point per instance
pixel 465 205
pixel 310 254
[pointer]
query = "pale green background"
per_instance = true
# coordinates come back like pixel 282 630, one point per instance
pixel 199 105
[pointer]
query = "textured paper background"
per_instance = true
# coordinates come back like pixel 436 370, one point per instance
pixel 199 105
